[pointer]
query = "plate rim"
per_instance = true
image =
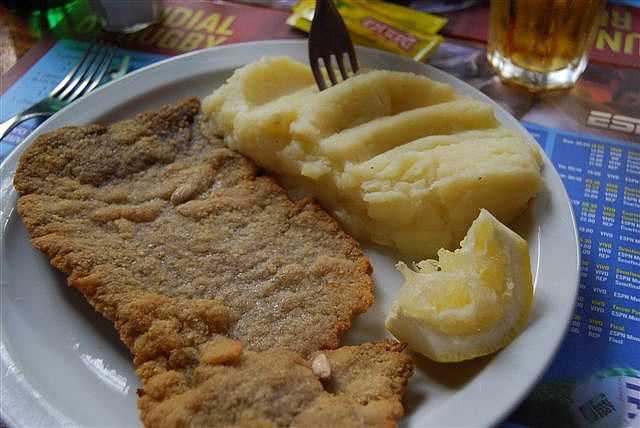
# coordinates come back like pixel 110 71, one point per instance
pixel 464 412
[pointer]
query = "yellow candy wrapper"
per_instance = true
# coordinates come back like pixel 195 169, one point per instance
pixel 381 25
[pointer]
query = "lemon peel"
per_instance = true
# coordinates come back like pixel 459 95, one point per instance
pixel 472 301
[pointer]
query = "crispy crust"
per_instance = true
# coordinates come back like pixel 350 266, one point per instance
pixel 201 262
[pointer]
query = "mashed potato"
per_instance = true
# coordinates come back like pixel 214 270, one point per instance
pixel 398 159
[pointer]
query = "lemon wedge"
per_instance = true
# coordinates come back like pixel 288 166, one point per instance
pixel 472 301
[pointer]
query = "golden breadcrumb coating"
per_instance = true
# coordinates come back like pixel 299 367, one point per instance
pixel 221 286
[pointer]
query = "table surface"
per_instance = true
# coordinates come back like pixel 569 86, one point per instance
pixel 17 37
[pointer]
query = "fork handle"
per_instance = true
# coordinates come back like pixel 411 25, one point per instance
pixel 12 122
pixel 8 125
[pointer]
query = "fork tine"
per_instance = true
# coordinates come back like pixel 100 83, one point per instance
pixel 101 66
pixel 63 83
pixel 329 68
pixel 317 74
pixel 100 76
pixel 343 69
pixel 86 64
pixel 353 60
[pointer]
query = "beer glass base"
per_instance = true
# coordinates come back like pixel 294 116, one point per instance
pixel 535 80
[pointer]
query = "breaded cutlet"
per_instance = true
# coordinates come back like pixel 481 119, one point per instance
pixel 278 388
pixel 201 261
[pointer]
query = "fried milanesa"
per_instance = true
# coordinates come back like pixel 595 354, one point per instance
pixel 278 388
pixel 215 280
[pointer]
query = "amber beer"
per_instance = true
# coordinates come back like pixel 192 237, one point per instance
pixel 542 44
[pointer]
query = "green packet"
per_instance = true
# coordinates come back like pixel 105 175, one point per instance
pixel 381 25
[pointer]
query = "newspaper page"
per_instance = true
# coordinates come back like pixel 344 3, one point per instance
pixel 591 134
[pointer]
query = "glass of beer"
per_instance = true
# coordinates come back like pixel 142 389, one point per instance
pixel 542 44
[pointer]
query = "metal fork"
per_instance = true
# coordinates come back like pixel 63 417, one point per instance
pixel 329 38
pixel 84 77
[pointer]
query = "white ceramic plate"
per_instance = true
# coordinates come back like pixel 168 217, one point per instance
pixel 62 363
